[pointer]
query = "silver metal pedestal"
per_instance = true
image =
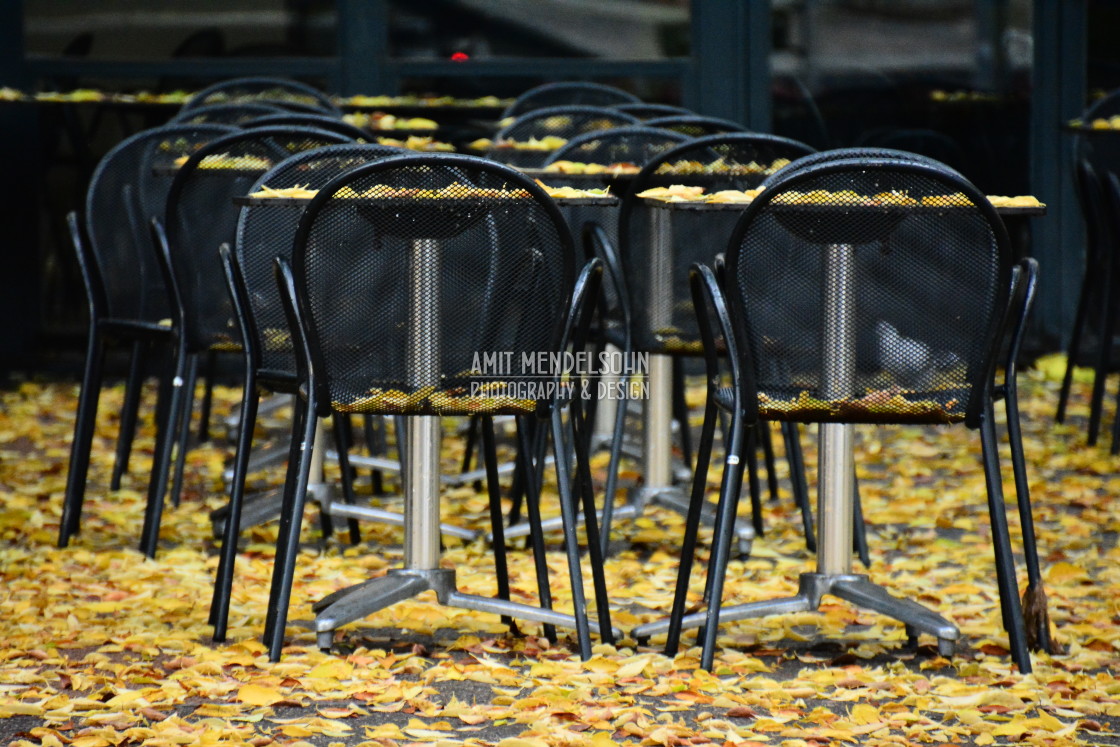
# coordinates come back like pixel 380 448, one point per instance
pixel 835 493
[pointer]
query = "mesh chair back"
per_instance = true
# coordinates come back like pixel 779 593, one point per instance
pixel 644 111
pixel 201 215
pixel 840 154
pixel 307 119
pixel 266 231
pixel 695 125
pixel 636 146
pixel 560 94
pixel 869 290
pixel 262 89
pixel 564 121
pixel 441 259
pixel 1107 106
pixel 1101 148
pixel 663 319
pixel 128 187
pixel 237 113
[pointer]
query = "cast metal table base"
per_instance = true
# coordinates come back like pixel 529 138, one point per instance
pixel 851 587
pixel 362 600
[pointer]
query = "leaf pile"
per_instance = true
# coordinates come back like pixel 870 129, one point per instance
pixel 100 647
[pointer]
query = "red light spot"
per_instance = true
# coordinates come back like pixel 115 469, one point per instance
pixel 460 57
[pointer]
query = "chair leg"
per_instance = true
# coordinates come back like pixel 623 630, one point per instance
pixel 692 526
pixel 1104 358
pixel 133 388
pixel 161 460
pixel 183 439
pixel 582 426
pixel 1087 287
pixel 752 478
pixel 768 456
pixel 291 519
pixel 85 422
pixel 223 583
pixel 799 483
pixel 680 410
pixel 489 454
pixel 207 397
pixel 1036 613
pixel 723 535
pixel 569 512
pixel 611 486
pixel 1001 540
pixel 343 441
pixel 375 445
pixel 530 443
pixel 859 528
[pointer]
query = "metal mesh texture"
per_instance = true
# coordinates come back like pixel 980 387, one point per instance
pixel 201 216
pixel 307 119
pixel 266 231
pixel 564 121
pixel 869 291
pixel 128 187
pixel 636 146
pixel 695 126
pixel 644 111
pixel 436 261
pixel 659 245
pixel 274 90
pixel 232 114
pixel 560 94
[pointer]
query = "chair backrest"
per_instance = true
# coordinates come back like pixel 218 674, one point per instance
pixel 308 119
pixel 1101 148
pixel 201 215
pixel 869 290
pixel 644 111
pixel 128 187
pixel 1091 197
pixel 265 89
pixel 841 154
pixel 927 142
pixel 663 319
pixel 266 231
pixel 635 145
pixel 561 123
pixel 1106 106
pixel 443 259
pixel 568 92
pixel 564 121
pixel 695 125
pixel 234 113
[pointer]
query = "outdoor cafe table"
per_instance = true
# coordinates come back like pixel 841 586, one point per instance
pixel 835 482
pixel 421 457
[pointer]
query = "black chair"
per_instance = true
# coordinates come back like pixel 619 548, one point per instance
pixel 644 111
pixel 127 298
pixel 394 299
pixel 936 290
pixel 569 92
pixel 634 146
pixel 695 125
pixel 664 322
pixel 307 119
pixel 232 113
pixel 1094 310
pixel 564 122
pixel 200 216
pixel 280 91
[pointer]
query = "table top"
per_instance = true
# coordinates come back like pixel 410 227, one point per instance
pixel 699 205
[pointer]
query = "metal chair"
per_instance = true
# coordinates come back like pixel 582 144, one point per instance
pixel 231 113
pixel 858 310
pixel 645 111
pixel 281 91
pixel 564 122
pixel 655 254
pixel 201 216
pixel 265 231
pixel 695 125
pixel 635 146
pixel 394 298
pixel 127 298
pixel 308 119
pixel 568 92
